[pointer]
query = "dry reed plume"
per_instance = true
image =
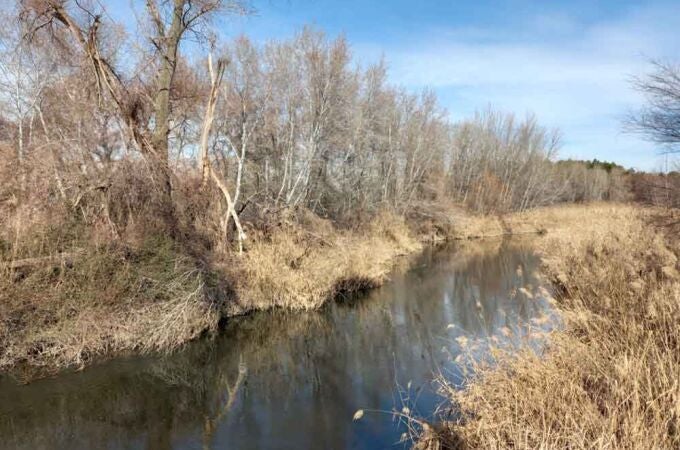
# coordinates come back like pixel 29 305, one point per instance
pixel 610 378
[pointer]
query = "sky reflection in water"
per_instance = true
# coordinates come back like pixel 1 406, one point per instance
pixel 281 380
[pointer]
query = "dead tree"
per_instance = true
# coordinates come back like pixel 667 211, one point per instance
pixel 216 76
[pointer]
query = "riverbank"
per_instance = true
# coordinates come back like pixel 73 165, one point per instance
pixel 611 377
pixel 286 379
pixel 97 299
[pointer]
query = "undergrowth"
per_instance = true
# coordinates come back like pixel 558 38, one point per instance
pixel 109 299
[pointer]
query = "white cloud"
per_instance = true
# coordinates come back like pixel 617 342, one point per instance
pixel 573 76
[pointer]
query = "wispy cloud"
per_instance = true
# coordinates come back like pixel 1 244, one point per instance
pixel 573 76
pixel 568 62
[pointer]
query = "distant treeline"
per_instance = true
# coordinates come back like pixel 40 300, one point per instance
pixel 658 189
pixel 595 164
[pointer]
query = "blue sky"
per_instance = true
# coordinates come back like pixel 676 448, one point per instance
pixel 569 62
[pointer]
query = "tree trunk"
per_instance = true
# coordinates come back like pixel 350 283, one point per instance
pixel 159 158
pixel 208 170
pixel 155 147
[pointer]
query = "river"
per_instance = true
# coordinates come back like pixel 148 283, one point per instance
pixel 281 380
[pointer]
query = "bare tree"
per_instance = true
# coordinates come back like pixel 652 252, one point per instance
pixel 171 20
pixel 287 125
pixel 216 76
pixel 660 119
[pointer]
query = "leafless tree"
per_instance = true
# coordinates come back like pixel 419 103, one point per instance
pixel 216 76
pixel 659 120
pixel 146 110
pixel 125 134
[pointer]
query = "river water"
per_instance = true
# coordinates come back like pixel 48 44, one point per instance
pixel 294 380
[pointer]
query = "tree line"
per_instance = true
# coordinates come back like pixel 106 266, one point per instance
pixel 173 129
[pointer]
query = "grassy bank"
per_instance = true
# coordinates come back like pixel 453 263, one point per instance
pixel 610 378
pixel 105 300
pixel 86 298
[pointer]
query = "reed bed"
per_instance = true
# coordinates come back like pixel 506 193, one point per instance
pixel 611 377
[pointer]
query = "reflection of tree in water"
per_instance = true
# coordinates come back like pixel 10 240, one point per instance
pixel 293 379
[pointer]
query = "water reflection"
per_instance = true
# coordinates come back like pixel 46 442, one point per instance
pixel 277 380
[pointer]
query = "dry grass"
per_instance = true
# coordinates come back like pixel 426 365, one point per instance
pixel 108 301
pixel 140 293
pixel 611 378
pixel 150 296
pixel 556 219
pixel 304 264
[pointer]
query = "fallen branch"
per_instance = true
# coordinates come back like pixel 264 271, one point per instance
pixel 64 258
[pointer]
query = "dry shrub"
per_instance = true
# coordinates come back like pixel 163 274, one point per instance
pixel 304 263
pixel 488 194
pixel 109 300
pixel 437 220
pixel 92 274
pixel 611 378
pixel 8 171
pixel 31 211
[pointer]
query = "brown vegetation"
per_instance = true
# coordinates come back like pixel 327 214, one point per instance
pixel 609 379
pixel 130 173
pixel 108 300
pixel 307 262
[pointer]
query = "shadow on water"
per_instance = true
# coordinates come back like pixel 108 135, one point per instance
pixel 282 380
